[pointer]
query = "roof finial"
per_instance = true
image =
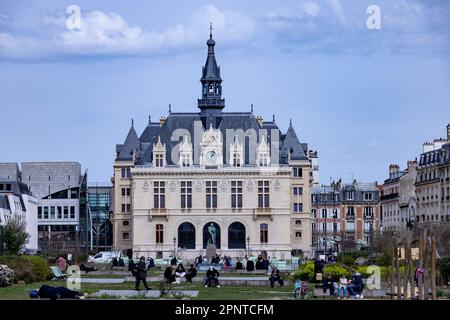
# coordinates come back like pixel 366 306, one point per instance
pixel 132 122
pixel 149 119
pixel 170 107
pixel 290 122
pixel 210 30
pixel 273 118
pixel 251 107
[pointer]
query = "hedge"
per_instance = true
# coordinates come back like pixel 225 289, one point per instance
pixel 27 268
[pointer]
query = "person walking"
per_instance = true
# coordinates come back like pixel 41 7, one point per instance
pixel 141 274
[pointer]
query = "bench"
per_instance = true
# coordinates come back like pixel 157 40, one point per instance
pixel 57 274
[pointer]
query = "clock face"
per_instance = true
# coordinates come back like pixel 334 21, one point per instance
pixel 211 156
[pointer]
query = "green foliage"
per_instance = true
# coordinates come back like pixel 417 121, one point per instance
pixel 336 270
pixel 27 268
pixel 384 259
pixel 305 272
pixel 348 258
pixel 444 268
pixel 14 235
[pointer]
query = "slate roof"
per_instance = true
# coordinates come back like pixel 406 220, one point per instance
pixel 210 114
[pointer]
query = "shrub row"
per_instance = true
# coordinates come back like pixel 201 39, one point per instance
pixel 27 268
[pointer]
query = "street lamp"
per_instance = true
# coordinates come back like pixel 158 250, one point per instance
pixel 248 245
pixel 174 246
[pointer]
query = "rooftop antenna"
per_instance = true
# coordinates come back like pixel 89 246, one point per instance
pixel 170 108
pixel 273 118
pixel 251 107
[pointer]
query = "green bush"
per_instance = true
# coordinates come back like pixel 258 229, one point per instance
pixel 27 268
pixel 349 258
pixel 384 259
pixel 305 272
pixel 444 269
pixel 336 270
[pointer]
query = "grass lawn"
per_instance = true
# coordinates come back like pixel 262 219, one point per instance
pixel 18 291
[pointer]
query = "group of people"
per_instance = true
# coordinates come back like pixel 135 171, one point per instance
pixel 175 277
pixel 345 287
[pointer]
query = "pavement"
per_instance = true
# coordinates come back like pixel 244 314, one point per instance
pixel 148 294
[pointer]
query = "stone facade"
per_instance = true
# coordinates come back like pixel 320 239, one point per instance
pixel 228 178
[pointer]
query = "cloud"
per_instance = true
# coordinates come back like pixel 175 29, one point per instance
pixel 408 27
pixel 103 33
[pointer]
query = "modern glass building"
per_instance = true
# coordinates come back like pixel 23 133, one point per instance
pixel 100 203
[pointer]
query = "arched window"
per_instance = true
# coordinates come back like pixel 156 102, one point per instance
pixel 186 236
pixel 264 233
pixel 159 233
pixel 236 236
pixel 211 235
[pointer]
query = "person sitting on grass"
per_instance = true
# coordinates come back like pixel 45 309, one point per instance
pixel 275 277
pixel 212 277
pixel 87 269
pixel 168 275
pixel 53 293
pixel 191 273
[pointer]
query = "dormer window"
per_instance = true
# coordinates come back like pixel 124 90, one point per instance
pixel 263 153
pixel 237 153
pixel 159 154
pixel 185 153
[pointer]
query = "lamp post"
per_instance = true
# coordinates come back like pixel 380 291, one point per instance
pixel 75 259
pixel 174 246
pixel 248 245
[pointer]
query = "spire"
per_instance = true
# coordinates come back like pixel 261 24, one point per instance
pixel 290 122
pixel 211 101
pixel 149 119
pixel 132 122
pixel 251 107
pixel 170 107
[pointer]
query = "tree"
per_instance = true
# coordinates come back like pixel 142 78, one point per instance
pixel 14 235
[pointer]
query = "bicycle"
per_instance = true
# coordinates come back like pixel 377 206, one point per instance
pixel 301 290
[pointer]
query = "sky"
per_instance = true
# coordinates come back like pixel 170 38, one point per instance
pixel 362 97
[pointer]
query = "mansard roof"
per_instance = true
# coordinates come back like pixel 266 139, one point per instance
pixel 131 144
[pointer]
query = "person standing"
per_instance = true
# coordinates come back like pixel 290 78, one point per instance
pixel 141 274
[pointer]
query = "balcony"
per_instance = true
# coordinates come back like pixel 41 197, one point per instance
pixel 350 216
pixel 262 213
pixel 368 216
pixel 157 213
pixel 389 196
pixel 211 102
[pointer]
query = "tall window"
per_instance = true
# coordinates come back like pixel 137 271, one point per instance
pixel 368 196
pixel 211 194
pixel 186 194
pixel 324 213
pixel 66 212
pixel 350 195
pixel 263 194
pixel 126 207
pixel 298 207
pixel 264 233
pixel 59 212
pixel 159 160
pixel 368 212
pixel 52 212
pixel 186 160
pixel 297 172
pixel 126 192
pixel 351 211
pixel 39 212
pixel 72 212
pixel 159 194
pixel 236 159
pixel 236 194
pixel 159 233
pixel 45 212
pixel 126 172
pixel 186 236
pixel 298 191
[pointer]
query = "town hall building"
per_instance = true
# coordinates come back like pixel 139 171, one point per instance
pixel 227 180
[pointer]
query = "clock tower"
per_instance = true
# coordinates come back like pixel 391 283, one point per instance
pixel 211 148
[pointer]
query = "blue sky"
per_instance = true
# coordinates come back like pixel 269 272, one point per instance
pixel 362 98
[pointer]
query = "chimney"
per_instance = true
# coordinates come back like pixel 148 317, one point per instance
pixel 162 120
pixel 393 169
